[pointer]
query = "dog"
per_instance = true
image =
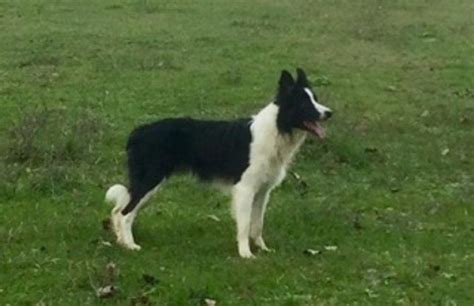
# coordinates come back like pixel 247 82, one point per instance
pixel 249 155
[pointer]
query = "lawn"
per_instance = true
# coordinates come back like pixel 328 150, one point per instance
pixel 387 198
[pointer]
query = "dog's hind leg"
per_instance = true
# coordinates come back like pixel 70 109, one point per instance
pixel 140 193
pixel 242 198
pixel 120 197
pixel 258 213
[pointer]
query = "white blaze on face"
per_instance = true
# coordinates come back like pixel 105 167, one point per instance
pixel 319 107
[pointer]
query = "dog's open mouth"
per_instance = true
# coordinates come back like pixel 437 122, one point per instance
pixel 316 128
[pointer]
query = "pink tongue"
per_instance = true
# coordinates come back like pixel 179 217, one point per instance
pixel 319 130
pixel 316 128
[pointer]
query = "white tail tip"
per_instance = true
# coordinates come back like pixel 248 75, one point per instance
pixel 118 195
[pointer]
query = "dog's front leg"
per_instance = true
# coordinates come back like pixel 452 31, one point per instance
pixel 242 199
pixel 258 213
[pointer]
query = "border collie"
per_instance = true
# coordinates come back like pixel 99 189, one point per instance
pixel 250 155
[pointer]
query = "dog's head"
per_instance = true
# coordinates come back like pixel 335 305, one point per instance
pixel 298 105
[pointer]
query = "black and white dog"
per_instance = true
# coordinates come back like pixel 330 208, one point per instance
pixel 250 155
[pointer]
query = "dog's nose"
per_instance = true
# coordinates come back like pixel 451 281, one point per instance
pixel 328 114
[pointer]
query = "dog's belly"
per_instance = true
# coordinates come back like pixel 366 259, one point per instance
pixel 223 186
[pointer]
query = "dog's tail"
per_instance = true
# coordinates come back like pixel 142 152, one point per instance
pixel 118 195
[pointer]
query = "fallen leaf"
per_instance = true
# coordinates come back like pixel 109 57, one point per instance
pixel 296 175
pixel 210 302
pixel 371 149
pixel 448 275
pixel 371 293
pixel 213 217
pixel 106 291
pixel 150 279
pixel 312 252
pixel 331 248
pixel 106 243
pixel 302 185
pixel 394 189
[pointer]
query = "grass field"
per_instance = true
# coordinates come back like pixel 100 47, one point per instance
pixel 391 187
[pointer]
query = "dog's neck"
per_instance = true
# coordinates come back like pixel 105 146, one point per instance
pixel 268 137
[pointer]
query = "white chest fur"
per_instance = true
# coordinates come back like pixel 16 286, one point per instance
pixel 270 151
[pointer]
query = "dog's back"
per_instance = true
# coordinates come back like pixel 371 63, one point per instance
pixel 209 149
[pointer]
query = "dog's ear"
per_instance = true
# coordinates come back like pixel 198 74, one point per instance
pixel 301 80
pixel 286 81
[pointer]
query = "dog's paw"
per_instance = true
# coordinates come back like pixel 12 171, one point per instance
pixel 267 250
pixel 128 245
pixel 246 254
pixel 135 247
pixel 260 243
pixel 132 246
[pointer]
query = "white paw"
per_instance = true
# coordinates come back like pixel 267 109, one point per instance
pixel 260 243
pixel 133 247
pixel 266 249
pixel 129 246
pixel 246 253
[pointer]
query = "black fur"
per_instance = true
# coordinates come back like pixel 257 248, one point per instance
pixel 209 149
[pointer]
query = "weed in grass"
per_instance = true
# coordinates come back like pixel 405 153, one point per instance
pixel 45 147
pixel 44 135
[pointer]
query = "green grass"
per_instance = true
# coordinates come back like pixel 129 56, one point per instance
pixel 77 76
